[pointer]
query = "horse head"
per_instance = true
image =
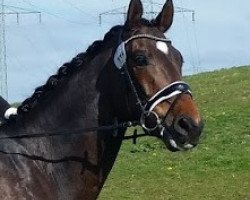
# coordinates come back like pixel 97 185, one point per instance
pixel 153 69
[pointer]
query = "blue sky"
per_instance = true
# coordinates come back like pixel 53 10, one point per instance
pixel 219 37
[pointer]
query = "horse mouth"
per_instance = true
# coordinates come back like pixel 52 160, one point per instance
pixel 176 144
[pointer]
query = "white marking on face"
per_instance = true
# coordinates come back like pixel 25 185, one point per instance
pixel 162 46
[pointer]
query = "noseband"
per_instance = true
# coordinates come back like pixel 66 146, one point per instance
pixel 174 89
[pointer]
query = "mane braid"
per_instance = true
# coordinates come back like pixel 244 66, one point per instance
pixel 67 69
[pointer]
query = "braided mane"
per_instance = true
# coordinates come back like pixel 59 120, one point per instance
pixel 71 67
pixel 68 69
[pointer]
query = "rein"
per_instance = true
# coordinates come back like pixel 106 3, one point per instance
pixel 174 89
pixel 169 91
pixel 115 126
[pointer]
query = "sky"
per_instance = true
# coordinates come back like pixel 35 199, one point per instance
pixel 219 37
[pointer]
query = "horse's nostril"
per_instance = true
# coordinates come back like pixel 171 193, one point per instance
pixel 184 123
pixel 186 131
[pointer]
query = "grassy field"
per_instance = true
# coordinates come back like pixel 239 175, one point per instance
pixel 218 169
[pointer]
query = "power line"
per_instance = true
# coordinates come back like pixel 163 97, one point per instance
pixel 53 14
pixel 77 8
pixel 194 52
pixel 5 11
pixel 14 10
pixel 152 9
pixel 151 12
pixel 3 65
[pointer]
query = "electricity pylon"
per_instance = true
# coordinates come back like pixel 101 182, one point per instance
pixel 6 11
pixel 151 10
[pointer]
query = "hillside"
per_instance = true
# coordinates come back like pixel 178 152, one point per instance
pixel 218 169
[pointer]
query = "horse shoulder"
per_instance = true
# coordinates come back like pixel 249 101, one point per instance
pixel 23 179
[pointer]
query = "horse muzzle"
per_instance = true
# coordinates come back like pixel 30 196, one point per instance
pixel 183 134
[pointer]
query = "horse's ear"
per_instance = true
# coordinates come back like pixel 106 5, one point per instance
pixel 135 12
pixel 165 18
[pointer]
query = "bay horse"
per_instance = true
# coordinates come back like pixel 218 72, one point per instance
pixel 132 76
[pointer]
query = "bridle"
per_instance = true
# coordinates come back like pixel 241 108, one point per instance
pixel 168 92
pixel 174 89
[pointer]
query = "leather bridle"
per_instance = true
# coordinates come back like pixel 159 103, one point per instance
pixel 168 92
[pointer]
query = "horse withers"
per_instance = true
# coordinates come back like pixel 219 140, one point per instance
pixel 132 75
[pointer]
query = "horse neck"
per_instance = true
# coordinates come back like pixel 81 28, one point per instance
pixel 73 104
pixel 82 104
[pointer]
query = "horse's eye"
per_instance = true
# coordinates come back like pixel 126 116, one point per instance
pixel 141 60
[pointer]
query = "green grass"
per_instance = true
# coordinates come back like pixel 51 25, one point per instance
pixel 218 169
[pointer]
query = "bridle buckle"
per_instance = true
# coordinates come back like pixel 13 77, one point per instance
pixel 150 121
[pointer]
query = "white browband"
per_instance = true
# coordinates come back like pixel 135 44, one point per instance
pixel 120 55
